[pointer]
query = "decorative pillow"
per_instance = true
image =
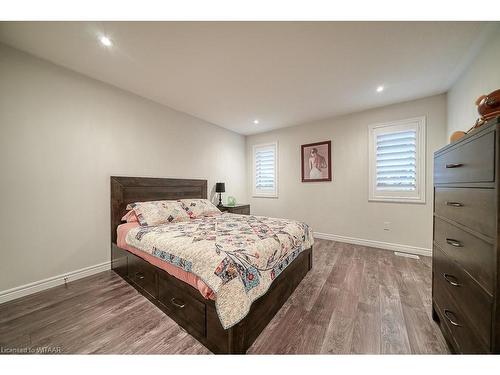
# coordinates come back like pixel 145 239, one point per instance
pixel 130 217
pixel 159 212
pixel 199 207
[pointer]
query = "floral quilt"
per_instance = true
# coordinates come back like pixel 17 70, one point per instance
pixel 237 256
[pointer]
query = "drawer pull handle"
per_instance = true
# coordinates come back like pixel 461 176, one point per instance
pixel 454 243
pixel 139 275
pixel 180 304
pixel 451 279
pixel 451 317
pixel 454 204
pixel 454 165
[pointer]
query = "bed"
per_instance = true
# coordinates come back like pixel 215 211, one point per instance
pixel 187 299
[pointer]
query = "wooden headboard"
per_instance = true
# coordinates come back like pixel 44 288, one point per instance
pixel 125 190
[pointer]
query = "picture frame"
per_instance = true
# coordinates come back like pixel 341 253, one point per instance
pixel 316 159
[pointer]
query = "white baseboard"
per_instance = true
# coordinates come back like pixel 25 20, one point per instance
pixel 378 244
pixel 37 286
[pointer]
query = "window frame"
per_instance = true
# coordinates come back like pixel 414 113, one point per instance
pixel 255 192
pixel 417 196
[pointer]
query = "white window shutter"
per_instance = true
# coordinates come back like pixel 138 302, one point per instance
pixel 397 161
pixel 265 170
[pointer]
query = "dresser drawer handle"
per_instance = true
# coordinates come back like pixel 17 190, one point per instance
pixel 451 317
pixel 179 304
pixel 139 275
pixel 454 165
pixel 451 279
pixel 454 204
pixel 454 243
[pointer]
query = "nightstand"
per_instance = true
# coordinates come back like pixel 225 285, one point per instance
pixel 240 209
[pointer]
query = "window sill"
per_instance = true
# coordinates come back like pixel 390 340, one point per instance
pixel 397 200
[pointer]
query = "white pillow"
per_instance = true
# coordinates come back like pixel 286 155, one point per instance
pixel 199 207
pixel 159 212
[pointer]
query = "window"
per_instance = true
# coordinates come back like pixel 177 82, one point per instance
pixel 397 161
pixel 265 170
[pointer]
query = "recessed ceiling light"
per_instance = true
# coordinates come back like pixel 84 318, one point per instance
pixel 380 88
pixel 105 41
pixel 255 122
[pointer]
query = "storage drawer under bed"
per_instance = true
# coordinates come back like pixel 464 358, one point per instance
pixel 183 307
pixel 143 274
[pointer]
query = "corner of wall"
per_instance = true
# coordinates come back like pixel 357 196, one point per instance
pixel 479 75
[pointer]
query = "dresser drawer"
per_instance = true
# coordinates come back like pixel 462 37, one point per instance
pixel 186 310
pixel 459 331
pixel 475 304
pixel 473 208
pixel 143 274
pixel 473 254
pixel 472 161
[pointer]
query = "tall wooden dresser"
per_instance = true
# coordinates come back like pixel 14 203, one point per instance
pixel 465 266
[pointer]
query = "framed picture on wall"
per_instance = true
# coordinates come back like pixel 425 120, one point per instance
pixel 317 161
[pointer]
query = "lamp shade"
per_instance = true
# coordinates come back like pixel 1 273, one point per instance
pixel 220 187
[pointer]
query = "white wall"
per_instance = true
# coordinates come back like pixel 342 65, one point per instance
pixel 62 136
pixel 481 77
pixel 341 207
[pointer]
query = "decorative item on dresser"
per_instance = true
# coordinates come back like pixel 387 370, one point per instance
pixel 488 106
pixel 466 259
pixel 231 201
pixel 241 209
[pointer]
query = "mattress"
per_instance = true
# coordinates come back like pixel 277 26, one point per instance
pixel 178 273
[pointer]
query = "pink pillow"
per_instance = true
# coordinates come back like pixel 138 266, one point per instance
pixel 130 217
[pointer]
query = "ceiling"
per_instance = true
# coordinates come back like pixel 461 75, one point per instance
pixel 281 73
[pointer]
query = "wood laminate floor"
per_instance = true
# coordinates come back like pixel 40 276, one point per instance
pixel 354 300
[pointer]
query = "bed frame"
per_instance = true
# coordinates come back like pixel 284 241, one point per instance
pixel 179 300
